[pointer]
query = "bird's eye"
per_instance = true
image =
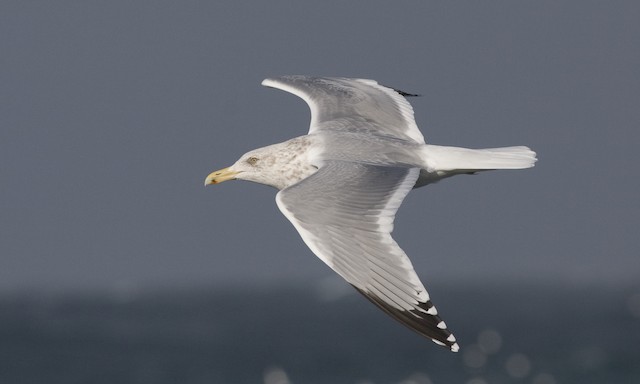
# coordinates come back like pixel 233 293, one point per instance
pixel 252 160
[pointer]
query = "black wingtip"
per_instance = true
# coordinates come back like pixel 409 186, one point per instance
pixel 402 93
pixel 406 94
pixel 418 320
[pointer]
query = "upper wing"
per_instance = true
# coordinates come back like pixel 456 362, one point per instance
pixel 352 104
pixel 344 213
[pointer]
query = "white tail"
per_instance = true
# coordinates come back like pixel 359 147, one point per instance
pixel 443 159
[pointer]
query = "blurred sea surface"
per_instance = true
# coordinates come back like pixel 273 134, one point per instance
pixel 509 333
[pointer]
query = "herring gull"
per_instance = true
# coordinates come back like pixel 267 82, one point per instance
pixel 342 183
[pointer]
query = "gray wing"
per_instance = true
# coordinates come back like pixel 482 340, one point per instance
pixel 352 105
pixel 344 213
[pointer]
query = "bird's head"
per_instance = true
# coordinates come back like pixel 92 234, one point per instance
pixel 251 166
pixel 278 165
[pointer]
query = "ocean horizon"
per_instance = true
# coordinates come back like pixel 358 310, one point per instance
pixel 508 333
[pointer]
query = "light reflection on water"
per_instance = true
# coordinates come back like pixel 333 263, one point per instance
pixel 276 375
pixel 292 336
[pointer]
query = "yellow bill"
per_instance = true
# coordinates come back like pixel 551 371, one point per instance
pixel 220 176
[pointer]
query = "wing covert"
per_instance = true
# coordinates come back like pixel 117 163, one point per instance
pixel 344 213
pixel 360 104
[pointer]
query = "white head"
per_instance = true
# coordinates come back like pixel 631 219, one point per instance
pixel 278 165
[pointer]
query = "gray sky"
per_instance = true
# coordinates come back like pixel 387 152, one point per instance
pixel 113 112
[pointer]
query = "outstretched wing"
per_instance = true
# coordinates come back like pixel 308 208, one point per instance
pixel 344 213
pixel 352 104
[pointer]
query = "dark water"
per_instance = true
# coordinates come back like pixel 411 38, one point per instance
pixel 508 334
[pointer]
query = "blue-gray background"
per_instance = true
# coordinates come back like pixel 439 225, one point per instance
pixel 113 112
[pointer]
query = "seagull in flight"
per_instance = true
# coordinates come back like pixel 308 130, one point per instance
pixel 341 184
